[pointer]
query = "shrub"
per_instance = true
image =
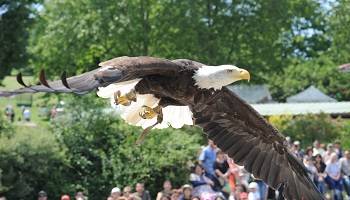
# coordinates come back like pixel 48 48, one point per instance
pixel 308 128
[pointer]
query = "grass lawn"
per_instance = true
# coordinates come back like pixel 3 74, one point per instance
pixel 10 83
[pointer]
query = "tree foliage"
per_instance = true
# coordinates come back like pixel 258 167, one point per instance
pixel 309 128
pixel 16 16
pixel 30 161
pixel 340 32
pixel 322 73
pixel 99 144
pixel 77 35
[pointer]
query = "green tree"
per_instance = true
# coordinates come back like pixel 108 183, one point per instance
pixel 308 128
pixel 321 72
pixel 102 153
pixel 340 32
pixel 257 34
pixel 16 17
pixel 30 161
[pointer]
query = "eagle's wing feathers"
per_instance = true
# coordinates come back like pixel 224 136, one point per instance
pixel 237 129
pixel 112 71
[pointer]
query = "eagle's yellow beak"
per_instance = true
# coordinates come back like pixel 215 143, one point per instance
pixel 244 75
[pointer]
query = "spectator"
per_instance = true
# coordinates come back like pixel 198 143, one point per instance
pixel 296 150
pixel 175 195
pixel 318 149
pixel 10 113
pixel 201 184
pixel 309 164
pixel 65 197
pixel 221 167
pixel 165 198
pixel 289 142
pixel 109 197
pixel 127 192
pixel 337 149
pixel 219 198
pixel 26 114
pixel 333 178
pixel 2 198
pixel 42 195
pixel 115 193
pixel 141 192
pixel 254 193
pixel 222 173
pixel 166 190
pixel 195 198
pixel 53 112
pixel 80 195
pixel 321 167
pixel 328 153
pixel 207 158
pixel 308 152
pixel 240 192
pixel 186 192
pixel 345 170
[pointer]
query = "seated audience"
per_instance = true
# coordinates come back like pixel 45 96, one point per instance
pixel 337 149
pixel 318 149
pixel 309 165
pixel 327 155
pixel 80 195
pixel 345 170
pixel 115 193
pixel 308 153
pixel 186 192
pixel 333 178
pixel 254 193
pixel 65 197
pixel 141 192
pixel 166 190
pixel 222 172
pixel 202 185
pixel 42 195
pixel 320 176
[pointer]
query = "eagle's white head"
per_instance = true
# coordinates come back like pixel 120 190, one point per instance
pixel 218 76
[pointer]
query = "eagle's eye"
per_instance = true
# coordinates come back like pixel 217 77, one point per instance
pixel 230 70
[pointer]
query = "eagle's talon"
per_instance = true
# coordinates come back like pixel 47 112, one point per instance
pixel 148 112
pixel 126 99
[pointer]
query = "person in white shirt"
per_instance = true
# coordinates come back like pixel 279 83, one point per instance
pixel 334 178
pixel 318 149
pixel 254 193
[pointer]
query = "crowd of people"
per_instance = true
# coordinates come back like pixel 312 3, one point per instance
pixel 328 165
pixel 214 176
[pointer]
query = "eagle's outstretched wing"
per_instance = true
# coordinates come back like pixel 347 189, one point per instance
pixel 112 71
pixel 238 130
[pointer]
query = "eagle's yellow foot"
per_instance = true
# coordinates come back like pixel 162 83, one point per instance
pixel 157 111
pixel 149 113
pixel 126 99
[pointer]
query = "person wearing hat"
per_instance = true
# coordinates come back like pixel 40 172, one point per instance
pixel 296 150
pixel 186 192
pixel 42 195
pixel 115 193
pixel 65 197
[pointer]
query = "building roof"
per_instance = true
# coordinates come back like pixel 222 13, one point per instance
pixel 311 94
pixel 252 93
pixel 303 108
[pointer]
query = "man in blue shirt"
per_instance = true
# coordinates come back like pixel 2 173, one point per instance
pixel 207 159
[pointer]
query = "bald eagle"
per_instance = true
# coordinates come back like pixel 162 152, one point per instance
pixel 158 93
